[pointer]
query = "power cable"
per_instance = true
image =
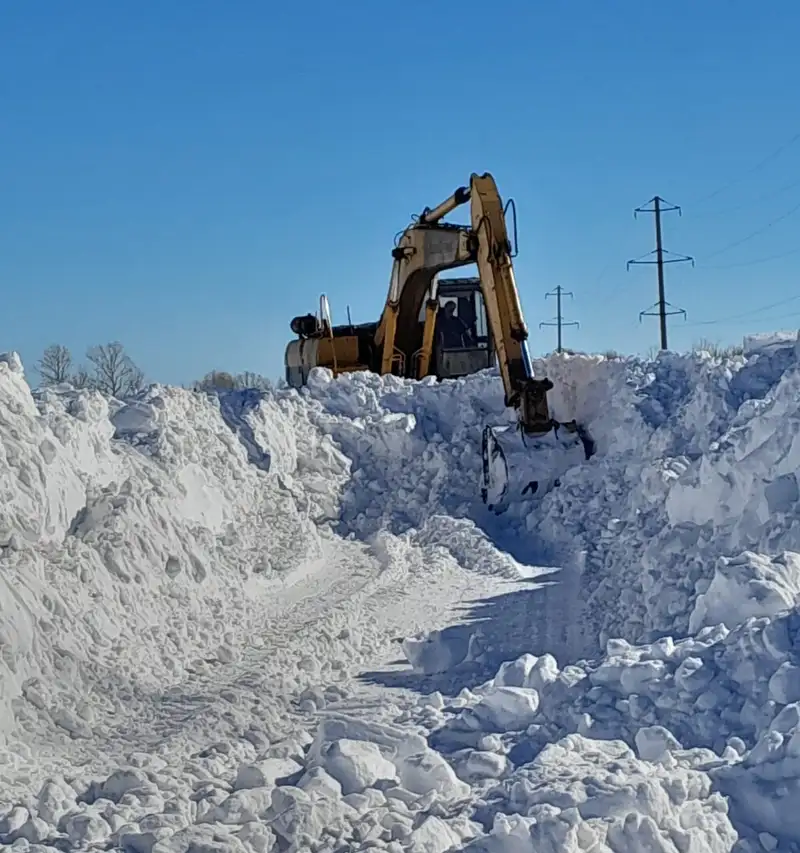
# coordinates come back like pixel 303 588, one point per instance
pixel 752 262
pixel 761 163
pixel 755 233
pixel 775 318
pixel 778 318
pixel 744 315
pixel 763 197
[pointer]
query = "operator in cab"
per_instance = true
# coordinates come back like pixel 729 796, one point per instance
pixel 453 331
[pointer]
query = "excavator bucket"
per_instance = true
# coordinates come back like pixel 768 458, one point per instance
pixel 525 466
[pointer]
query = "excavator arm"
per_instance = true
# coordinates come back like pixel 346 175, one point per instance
pixel 522 391
pixel 425 249
pixel 430 246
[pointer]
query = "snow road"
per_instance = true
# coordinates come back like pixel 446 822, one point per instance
pixel 330 643
pixel 332 619
pixel 284 622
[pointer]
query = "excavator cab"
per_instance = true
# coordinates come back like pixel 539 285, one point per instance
pixel 463 342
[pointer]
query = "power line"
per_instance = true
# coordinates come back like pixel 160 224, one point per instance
pixel 756 233
pixel 775 318
pixel 747 204
pixel 659 252
pixel 752 262
pixel 558 292
pixel 761 163
pixel 745 314
pixel 778 318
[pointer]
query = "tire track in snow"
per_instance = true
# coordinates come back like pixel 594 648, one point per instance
pixel 212 703
pixel 342 617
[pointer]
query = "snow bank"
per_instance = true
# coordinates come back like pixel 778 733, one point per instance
pixel 657 708
pixel 136 540
pixel 766 340
pixel 580 794
pixel 695 465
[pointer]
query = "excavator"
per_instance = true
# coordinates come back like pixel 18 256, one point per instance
pixel 450 327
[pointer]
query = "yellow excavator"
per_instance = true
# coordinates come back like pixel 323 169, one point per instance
pixel 446 327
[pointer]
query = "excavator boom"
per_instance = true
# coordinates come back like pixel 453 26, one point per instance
pixel 522 390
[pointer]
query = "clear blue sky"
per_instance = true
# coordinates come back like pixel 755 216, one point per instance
pixel 186 177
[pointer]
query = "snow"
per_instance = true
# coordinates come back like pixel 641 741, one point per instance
pixel 284 621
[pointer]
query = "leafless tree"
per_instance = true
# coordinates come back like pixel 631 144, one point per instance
pixel 54 366
pixel 221 380
pixel 216 380
pixel 253 380
pixel 114 373
pixel 81 378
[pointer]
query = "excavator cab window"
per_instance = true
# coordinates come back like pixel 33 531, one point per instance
pixel 481 324
pixel 466 317
pixel 453 329
pixel 462 342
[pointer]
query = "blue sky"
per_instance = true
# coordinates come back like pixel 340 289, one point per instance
pixel 187 177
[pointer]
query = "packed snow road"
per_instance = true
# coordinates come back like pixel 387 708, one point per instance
pixel 284 623
pixel 331 620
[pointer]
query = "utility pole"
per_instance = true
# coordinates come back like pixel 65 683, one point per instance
pixel 659 207
pixel 558 292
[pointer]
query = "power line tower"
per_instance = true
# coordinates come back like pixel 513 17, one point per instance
pixel 558 293
pixel 659 207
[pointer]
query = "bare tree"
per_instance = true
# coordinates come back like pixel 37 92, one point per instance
pixel 216 380
pixel 55 364
pixel 115 373
pixel 253 380
pixel 221 380
pixel 81 378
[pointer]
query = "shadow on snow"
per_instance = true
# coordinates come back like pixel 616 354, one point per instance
pixel 537 619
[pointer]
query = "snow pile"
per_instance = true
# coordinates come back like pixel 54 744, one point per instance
pixel 713 477
pixel 695 462
pixel 757 343
pixel 129 538
pixel 748 585
pixel 725 704
pixel 581 794
pixel 293 795
pixel 657 708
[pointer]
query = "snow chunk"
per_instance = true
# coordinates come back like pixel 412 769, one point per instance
pixel 655 742
pixel 755 343
pixel 427 771
pixel 748 585
pixel 13 362
pixel 485 765
pixel 264 774
pixel 580 794
pixel 436 651
pixel 357 765
pixel 433 836
pixel 507 709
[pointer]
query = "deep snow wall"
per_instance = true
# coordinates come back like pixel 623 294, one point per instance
pixel 179 509
pixel 136 539
pixel 698 471
pixel 695 469
pixel 141 539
